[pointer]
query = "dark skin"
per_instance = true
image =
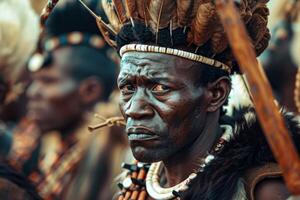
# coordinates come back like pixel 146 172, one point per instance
pixel 170 116
pixel 179 120
pixel 56 100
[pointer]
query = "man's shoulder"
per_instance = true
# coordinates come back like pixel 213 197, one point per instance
pixel 271 189
pixel 265 182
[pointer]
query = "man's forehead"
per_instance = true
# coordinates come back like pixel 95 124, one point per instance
pixel 146 58
pixel 145 71
pixel 160 61
pixel 52 70
pixel 48 70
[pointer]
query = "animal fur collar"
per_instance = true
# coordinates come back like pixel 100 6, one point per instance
pixel 247 149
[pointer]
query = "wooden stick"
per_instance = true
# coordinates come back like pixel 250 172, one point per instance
pixel 268 113
pixel 128 193
pixel 114 121
pixel 143 195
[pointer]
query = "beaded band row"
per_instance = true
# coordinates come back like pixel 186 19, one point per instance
pixel 175 52
pixel 74 38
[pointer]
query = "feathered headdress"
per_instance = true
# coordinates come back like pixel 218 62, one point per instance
pixel 171 26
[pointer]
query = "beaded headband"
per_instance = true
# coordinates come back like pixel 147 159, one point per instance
pixel 175 52
pixel 74 38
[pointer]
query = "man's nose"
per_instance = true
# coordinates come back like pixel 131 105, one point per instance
pixel 139 107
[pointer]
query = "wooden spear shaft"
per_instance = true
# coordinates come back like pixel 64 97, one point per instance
pixel 268 113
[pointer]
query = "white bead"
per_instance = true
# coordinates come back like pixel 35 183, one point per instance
pixel 209 158
pixel 127 182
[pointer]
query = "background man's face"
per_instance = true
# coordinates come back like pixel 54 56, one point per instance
pixel 164 107
pixel 53 96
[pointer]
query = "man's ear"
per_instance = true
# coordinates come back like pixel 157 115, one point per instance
pixel 218 93
pixel 90 91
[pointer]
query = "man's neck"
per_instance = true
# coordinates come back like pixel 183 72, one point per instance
pixel 181 165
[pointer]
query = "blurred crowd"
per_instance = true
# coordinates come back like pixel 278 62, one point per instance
pixel 58 79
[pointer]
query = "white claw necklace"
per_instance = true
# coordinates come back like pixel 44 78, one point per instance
pixel 154 174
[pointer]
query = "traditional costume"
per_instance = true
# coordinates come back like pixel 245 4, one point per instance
pixel 192 30
pixel 77 166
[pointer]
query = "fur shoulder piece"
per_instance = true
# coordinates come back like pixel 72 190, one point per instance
pixel 247 149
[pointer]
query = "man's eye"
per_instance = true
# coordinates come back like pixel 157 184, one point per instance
pixel 127 89
pixel 160 88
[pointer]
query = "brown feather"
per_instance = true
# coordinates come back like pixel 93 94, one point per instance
pixel 186 10
pixel 112 15
pixel 118 4
pixel 197 3
pixel 130 6
pixel 257 27
pixel 203 25
pixel 105 31
pixel 142 6
pixel 262 45
pixel 161 12
pixel 219 41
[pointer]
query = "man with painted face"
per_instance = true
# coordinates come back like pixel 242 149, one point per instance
pixel 73 75
pixel 174 81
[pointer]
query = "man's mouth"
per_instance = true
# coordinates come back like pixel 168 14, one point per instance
pixel 141 133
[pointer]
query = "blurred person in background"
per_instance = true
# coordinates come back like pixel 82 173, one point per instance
pixel 280 60
pixel 19 31
pixel 73 76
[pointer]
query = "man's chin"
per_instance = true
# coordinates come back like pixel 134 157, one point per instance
pixel 146 155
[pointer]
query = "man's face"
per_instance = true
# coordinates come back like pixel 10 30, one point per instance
pixel 164 108
pixel 53 96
